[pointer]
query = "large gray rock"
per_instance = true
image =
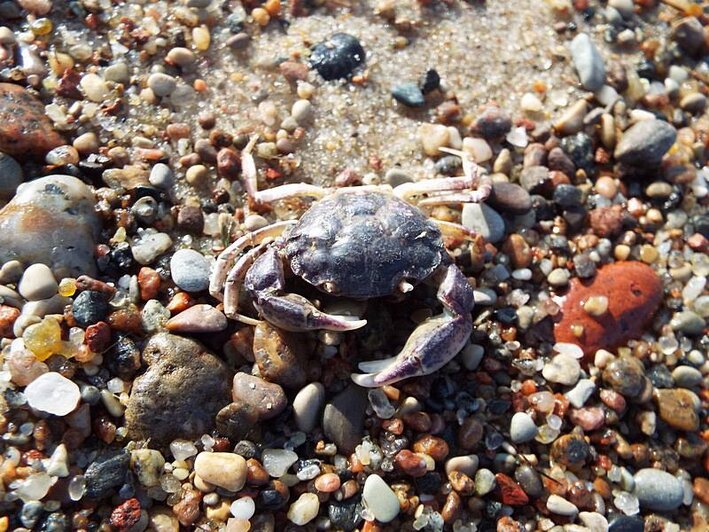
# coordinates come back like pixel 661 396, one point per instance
pixel 644 143
pixel 52 221
pixel 180 394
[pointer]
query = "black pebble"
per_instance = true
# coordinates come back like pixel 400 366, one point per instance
pixel 106 473
pixel 89 307
pixel 337 57
pixel 408 94
pixel 626 523
pixel 431 81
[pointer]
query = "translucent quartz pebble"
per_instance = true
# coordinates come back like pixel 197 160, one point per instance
pixel 53 393
pixel 277 461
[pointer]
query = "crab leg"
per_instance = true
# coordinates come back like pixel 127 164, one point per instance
pixel 455 230
pixel 226 258
pixel 434 343
pixel 291 312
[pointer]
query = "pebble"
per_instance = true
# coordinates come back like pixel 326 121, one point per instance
pixel 89 307
pixel 626 376
pixel 161 176
pixel 493 123
pixel 162 84
pixel 633 291
pixel 343 418
pixel 200 318
pixel 688 322
pixel 243 508
pixel 522 428
pixel 466 464
pixel 302 111
pixel 189 270
pixel 594 521
pixel 560 506
pixel 658 490
pixel 149 245
pixel 485 481
pixel 280 356
pixel 307 405
pixel 53 393
pixel 580 393
pixel 117 72
pixel 226 470
pixel 678 407
pixel 509 198
pixel 37 283
pixel 304 509
pixel 379 499
pixel 51 220
pixel 688 32
pixel 267 399
pixel 562 369
pixel 588 62
pixel 25 128
pixel 94 87
pixel 559 277
pixel 433 137
pixel 645 143
pixel 337 57
pixel 11 176
pixel 480 218
pixel 147 465
pixel 105 473
pixel 687 377
pixel 571 120
pixel 180 393
pixel 694 102
pixel 408 94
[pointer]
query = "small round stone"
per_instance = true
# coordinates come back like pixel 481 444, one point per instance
pixel 562 369
pixel 53 393
pixel 687 376
pixel 379 499
pixel 89 307
pixel 522 428
pixel 243 508
pixel 307 406
pixel 559 277
pixel 161 176
pixel 37 283
pixel 658 490
pixel 408 94
pixel 483 220
pixel 337 57
pixel 226 470
pixel 304 509
pixel 162 84
pixel 189 270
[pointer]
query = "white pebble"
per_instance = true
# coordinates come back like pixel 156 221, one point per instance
pixel 517 137
pixel 580 393
pixel 530 103
pixel 304 509
pixel 277 461
pixel 379 499
pixel 562 369
pixel 53 393
pixel 243 508
pixel 561 506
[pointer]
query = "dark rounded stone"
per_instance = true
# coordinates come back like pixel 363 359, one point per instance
pixel 89 307
pixel 408 94
pixel 645 143
pixel 123 358
pixel 345 515
pixel 626 523
pixel 584 266
pixel 701 225
pixel 660 376
pixel 337 57
pixel 567 196
pixel 431 81
pixel 493 123
pixel 509 198
pixel 105 473
pixel 579 148
pixel 30 513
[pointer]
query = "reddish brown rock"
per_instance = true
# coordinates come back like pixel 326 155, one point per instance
pixel 8 315
pixel 24 128
pixel 634 292
pixel 510 491
pixel 126 514
pixel 280 356
pixel 98 337
pixel 606 221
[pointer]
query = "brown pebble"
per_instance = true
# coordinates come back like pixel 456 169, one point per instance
pixel 126 514
pixel 190 219
pixel 207 119
pixel 678 408
pixel 228 164
pixel 235 420
pixel 84 282
pixel 607 187
pixel 149 283
pixel 256 475
pixel 201 318
pixel 461 483
pixel 570 450
pixel 126 320
pixel 267 398
pixel 293 71
pixel 701 489
pixel 8 315
pixel 518 250
pixel 451 507
pixel 418 421
pixel 178 130
pixel 207 153
pixel 434 446
pixel 280 356
pixel 327 483
pixel 98 337
pixel 606 222
pixel 187 509
pixel 633 290
pixel 410 463
pixel 613 400
pixel 470 433
pixel 25 129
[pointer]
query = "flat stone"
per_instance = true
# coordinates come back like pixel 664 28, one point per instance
pixel 645 143
pixel 343 418
pixel 658 490
pixel 189 270
pixel 198 319
pixel 226 470
pixel 633 291
pixel 267 398
pixel 25 129
pixel 307 405
pixel 379 499
pixel 483 220
pixel 37 283
pixel 588 62
pixel 678 408
pixel 281 356
pixel 51 221
pixel 408 94
pixel 580 393
pixel 180 393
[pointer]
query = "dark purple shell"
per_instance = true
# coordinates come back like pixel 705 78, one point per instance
pixel 364 243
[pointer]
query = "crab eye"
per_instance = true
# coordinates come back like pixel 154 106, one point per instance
pixel 329 287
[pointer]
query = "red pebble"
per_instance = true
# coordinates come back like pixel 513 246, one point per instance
pixel 98 337
pixel 126 514
pixel 634 292
pixel 8 315
pixel 511 492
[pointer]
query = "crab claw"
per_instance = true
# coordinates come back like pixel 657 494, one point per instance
pixel 292 312
pixel 434 343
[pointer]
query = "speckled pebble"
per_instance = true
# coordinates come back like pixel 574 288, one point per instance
pixel 189 270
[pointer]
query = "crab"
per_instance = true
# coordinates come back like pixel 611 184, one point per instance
pixel 358 242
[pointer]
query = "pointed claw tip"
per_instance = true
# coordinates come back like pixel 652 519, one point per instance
pixel 348 323
pixel 366 380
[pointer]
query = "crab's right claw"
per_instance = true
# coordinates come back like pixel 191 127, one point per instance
pixel 293 312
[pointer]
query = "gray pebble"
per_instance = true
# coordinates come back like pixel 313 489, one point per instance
pixel 397 176
pixel 343 418
pixel 162 84
pixel 11 272
pixel 408 94
pixel 559 277
pixel 522 428
pixel 509 198
pixel 239 41
pixel 658 490
pixel 484 481
pixel 307 406
pixel 687 377
pixel 118 73
pixel 302 111
pixel 688 322
pixel 483 220
pixel 190 270
pixel 161 176
pixel 579 394
pixel 10 176
pixel 149 245
pixel 644 143
pixel 588 62
pixel 693 103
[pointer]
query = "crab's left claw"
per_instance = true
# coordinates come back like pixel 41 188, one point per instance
pixel 434 343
